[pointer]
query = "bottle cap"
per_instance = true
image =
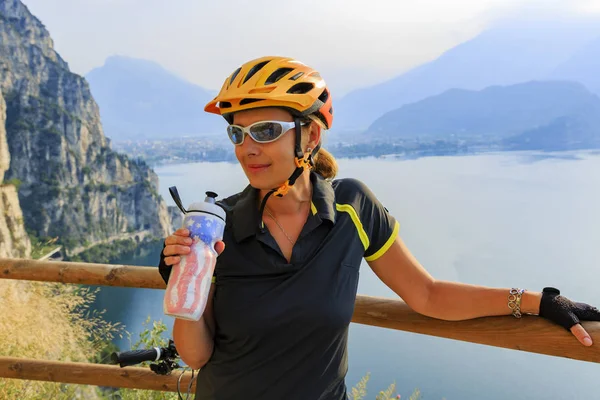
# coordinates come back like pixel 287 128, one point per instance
pixel 208 206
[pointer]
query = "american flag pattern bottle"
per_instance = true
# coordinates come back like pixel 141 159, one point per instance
pixel 189 283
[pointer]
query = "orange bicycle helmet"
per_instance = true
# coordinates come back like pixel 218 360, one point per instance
pixel 275 82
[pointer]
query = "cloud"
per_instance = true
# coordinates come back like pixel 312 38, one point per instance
pixel 541 10
pixel 353 43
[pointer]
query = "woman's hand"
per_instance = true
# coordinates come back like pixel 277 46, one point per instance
pixel 568 314
pixel 177 245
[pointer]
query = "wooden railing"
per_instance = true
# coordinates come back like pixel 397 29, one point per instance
pixel 530 333
pixel 91 374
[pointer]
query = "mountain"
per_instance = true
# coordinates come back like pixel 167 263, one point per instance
pixel 571 132
pixel 71 183
pixel 506 55
pixel 583 66
pixel 139 99
pixel 14 242
pixel 533 108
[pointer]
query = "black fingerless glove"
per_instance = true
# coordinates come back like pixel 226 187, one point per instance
pixel 164 269
pixel 563 311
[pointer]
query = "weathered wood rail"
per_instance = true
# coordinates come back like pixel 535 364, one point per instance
pixel 530 333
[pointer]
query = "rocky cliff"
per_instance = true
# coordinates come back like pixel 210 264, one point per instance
pixel 14 242
pixel 176 217
pixel 73 185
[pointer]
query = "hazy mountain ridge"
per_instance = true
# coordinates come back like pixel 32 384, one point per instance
pixel 139 100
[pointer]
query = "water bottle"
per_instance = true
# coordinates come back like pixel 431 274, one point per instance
pixel 189 283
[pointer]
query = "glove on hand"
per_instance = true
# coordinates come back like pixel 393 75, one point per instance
pixel 563 311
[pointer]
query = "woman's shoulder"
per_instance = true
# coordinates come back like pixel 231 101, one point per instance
pixel 350 190
pixel 228 203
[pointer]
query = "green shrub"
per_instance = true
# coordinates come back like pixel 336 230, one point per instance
pixel 16 182
pixel 149 338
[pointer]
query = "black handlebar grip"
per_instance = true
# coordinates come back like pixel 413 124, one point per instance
pixel 135 357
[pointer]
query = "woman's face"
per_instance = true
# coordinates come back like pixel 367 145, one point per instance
pixel 268 165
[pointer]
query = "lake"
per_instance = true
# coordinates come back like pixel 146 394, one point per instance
pixel 508 219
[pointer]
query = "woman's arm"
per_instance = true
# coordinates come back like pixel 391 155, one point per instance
pixel 452 301
pixel 455 301
pixel 194 340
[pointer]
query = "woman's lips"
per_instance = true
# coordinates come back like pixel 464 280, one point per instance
pixel 257 167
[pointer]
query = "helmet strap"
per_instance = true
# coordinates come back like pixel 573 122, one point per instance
pixel 298 145
pixel 303 162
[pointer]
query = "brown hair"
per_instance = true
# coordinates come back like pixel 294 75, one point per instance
pixel 325 164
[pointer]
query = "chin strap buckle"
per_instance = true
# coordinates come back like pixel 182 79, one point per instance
pixel 306 162
pixel 302 164
pixel 283 189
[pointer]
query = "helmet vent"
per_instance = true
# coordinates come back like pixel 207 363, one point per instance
pixel 324 96
pixel 248 101
pixel 235 73
pixel 296 76
pixel 301 88
pixel 277 75
pixel 254 70
pixel 224 104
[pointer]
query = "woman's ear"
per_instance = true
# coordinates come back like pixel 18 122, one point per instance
pixel 314 135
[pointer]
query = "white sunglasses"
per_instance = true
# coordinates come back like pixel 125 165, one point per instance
pixel 260 132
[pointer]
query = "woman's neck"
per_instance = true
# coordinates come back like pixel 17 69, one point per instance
pixel 295 201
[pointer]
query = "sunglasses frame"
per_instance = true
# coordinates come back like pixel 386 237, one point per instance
pixel 285 126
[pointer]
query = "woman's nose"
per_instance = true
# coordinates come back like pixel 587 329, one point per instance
pixel 249 146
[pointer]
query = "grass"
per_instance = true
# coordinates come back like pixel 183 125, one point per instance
pixel 39 248
pixel 49 321
pixel 359 392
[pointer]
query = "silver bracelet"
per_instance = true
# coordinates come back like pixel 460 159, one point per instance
pixel 514 301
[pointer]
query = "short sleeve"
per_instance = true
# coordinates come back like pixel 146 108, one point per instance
pixel 377 227
pixel 165 270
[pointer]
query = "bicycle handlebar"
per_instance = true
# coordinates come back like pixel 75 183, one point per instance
pixel 133 357
pixel 166 356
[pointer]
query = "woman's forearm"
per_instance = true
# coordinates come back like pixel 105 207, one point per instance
pixel 194 341
pixel 454 301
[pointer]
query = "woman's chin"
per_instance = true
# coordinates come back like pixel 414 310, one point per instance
pixel 264 178
pixel 263 183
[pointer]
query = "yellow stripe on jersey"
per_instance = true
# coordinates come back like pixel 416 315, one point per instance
pixel 359 227
pixel 387 244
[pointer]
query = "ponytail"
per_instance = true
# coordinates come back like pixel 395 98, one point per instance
pixel 325 164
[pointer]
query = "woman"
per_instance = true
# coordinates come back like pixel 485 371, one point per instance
pixel 276 324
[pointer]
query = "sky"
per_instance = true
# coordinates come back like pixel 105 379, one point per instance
pixel 353 43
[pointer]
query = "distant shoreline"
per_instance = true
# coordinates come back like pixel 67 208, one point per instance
pixel 160 153
pixel 557 154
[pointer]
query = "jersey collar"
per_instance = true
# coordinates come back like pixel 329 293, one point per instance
pixel 245 211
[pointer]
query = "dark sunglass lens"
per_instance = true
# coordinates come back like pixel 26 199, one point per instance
pixel 266 131
pixel 235 134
